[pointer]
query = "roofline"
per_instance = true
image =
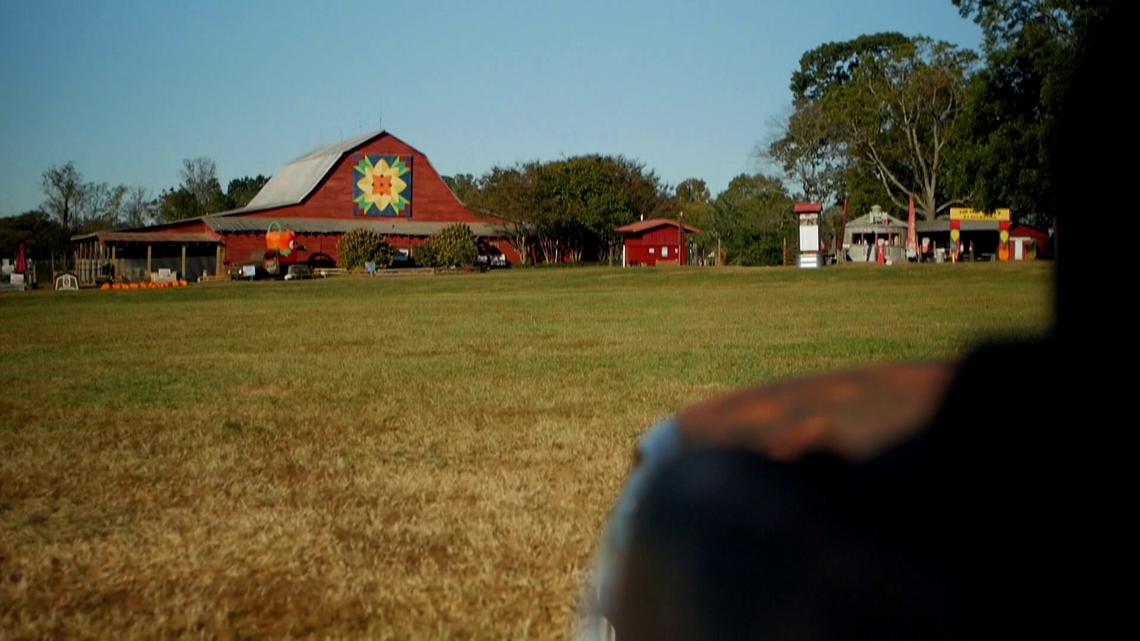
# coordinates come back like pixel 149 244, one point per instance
pixel 316 186
pixel 659 223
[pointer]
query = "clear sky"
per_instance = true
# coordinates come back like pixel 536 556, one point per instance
pixel 128 88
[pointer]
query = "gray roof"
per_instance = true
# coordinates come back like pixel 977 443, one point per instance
pixel 864 222
pixel 943 225
pixel 341 225
pixel 147 237
pixel 297 179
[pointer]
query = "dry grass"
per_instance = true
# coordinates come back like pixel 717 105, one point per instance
pixel 394 458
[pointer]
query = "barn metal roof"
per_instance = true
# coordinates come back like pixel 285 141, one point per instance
pixel 643 225
pixel 341 225
pixel 297 179
pixel 148 237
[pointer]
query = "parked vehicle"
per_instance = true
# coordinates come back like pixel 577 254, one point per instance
pixel 298 271
pixel 402 258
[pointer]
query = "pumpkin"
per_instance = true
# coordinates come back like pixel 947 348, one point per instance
pixel 181 282
pixel 105 286
pixel 117 286
pixel 283 241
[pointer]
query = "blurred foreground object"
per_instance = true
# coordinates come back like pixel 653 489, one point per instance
pixel 910 501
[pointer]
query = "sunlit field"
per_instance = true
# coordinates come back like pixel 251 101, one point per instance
pixel 420 457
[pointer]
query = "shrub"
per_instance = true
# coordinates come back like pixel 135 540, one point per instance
pixel 453 246
pixel 424 255
pixel 360 246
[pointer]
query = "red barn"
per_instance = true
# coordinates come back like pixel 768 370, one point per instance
pixel 649 242
pixel 375 181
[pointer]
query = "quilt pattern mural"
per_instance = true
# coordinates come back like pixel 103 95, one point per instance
pixel 382 185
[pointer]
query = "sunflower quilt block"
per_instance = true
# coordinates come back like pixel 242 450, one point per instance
pixel 382 185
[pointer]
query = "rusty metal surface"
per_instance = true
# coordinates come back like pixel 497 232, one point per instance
pixel 854 414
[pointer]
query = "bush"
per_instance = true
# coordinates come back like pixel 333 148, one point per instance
pixel 360 246
pixel 424 255
pixel 453 246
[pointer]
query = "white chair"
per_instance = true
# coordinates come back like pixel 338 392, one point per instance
pixel 66 283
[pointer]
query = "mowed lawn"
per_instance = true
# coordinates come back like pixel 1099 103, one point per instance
pixel 420 457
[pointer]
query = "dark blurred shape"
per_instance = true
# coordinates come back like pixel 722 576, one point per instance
pixel 967 523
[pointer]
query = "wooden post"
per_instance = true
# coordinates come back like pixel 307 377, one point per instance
pixel 182 274
pixel 114 264
pixel 219 260
pixel 147 277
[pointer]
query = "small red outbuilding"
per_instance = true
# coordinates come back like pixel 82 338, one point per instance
pixel 649 242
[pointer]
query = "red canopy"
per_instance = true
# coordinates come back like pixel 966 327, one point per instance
pixel 21 260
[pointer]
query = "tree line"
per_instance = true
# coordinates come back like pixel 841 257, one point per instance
pixel 73 205
pixel 569 209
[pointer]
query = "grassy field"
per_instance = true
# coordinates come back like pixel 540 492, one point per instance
pixel 396 457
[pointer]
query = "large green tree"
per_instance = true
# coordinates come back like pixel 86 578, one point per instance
pixel 693 199
pixel 569 208
pixel 585 198
pixel 874 119
pixel 511 195
pixel 1011 119
pixel 809 147
pixel 751 219
pixel 897 117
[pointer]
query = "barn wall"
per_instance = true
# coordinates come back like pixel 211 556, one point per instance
pixel 240 246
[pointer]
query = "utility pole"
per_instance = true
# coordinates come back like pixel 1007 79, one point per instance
pixel 681 241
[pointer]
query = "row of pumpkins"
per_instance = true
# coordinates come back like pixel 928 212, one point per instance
pixel 176 283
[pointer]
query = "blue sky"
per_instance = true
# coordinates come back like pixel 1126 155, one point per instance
pixel 126 89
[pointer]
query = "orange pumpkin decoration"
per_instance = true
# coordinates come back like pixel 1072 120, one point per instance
pixel 182 282
pixel 117 286
pixel 105 286
pixel 283 241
